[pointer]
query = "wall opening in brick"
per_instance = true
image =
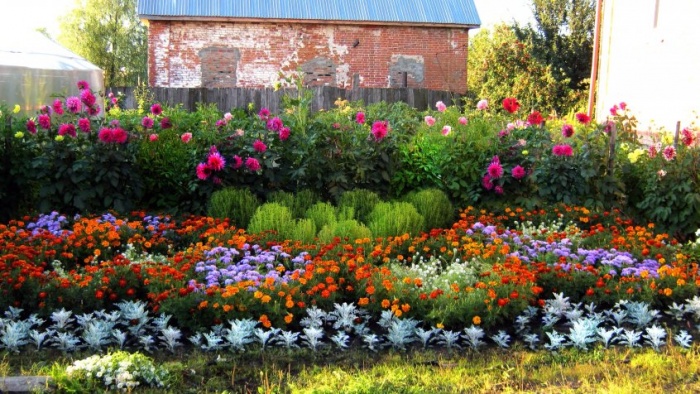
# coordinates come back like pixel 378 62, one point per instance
pixel 219 66
pixel 319 72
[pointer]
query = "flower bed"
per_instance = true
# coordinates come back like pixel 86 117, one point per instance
pixel 567 276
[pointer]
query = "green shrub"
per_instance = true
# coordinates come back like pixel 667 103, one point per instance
pixel 321 213
pixel 346 213
pixel 239 205
pixel 395 218
pixel 350 229
pixel 361 200
pixel 299 230
pixel 297 203
pixel 434 206
pixel 270 216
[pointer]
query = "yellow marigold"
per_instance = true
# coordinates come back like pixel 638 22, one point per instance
pixel 668 291
pixel 398 313
pixel 680 282
pixel 258 294
pixel 440 325
pixel 265 299
pixel 476 320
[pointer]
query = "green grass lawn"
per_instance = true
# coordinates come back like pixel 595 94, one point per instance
pixel 618 370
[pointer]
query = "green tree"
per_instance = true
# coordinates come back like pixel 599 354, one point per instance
pixel 109 34
pixel 500 66
pixel 562 38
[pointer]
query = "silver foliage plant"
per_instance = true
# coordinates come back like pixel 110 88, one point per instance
pixel 559 324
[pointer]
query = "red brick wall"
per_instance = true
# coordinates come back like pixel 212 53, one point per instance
pixel 229 54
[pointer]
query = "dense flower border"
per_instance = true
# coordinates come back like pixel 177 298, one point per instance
pixel 485 270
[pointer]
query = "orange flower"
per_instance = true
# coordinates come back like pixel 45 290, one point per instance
pixel 265 299
pixel 405 307
pixel 203 304
pixel 363 301
pixel 386 303
pixel 288 319
pixel 476 320
pixel 227 308
pixel 289 304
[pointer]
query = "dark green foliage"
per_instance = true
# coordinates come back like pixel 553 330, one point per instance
pixel 239 205
pixel 434 206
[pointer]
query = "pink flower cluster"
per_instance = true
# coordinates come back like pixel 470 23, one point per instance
pixel 567 130
pixel 563 150
pixel 380 129
pixel 687 137
pixel 113 135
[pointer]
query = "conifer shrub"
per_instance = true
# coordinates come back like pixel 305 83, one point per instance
pixel 321 213
pixel 395 218
pixel 270 216
pixel 297 203
pixel 239 205
pixel 299 230
pixel 361 200
pixel 344 229
pixel 435 207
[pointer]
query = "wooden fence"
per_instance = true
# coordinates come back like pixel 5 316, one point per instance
pixel 324 97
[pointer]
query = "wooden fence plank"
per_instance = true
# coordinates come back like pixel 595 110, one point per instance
pixel 323 97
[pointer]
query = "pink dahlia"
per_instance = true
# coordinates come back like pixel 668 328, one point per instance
pixel 482 104
pixel 156 109
pixel 583 118
pixel 93 110
pixel 687 137
pixel 87 98
pixel 186 137
pixel 82 85
pixel 429 120
pixel 486 182
pixel 275 124
pixel 73 104
pixel 120 135
pixel 45 121
pixel 567 130
pixel 498 190
pixel 58 106
pixel 67 129
pixel 380 129
pixel 360 118
pixel 518 172
pixel 105 135
pixel 462 120
pixel 216 162
pixel 31 126
pixel 284 133
pixel 84 125
pixel 203 171
pixel 237 162
pixel 653 151
pixel 440 106
pixel 669 153
pixel 446 130
pixel 153 137
pixel 165 123
pixel 147 122
pixel 252 164
pixel 259 146
pixel 264 114
pixel 495 170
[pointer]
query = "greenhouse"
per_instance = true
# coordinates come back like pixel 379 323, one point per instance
pixel 33 68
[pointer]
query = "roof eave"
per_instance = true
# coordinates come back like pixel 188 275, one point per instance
pixel 305 21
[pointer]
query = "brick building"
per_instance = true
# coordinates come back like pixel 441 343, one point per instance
pixel 342 43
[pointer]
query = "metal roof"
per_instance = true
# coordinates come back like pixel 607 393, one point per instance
pixel 439 12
